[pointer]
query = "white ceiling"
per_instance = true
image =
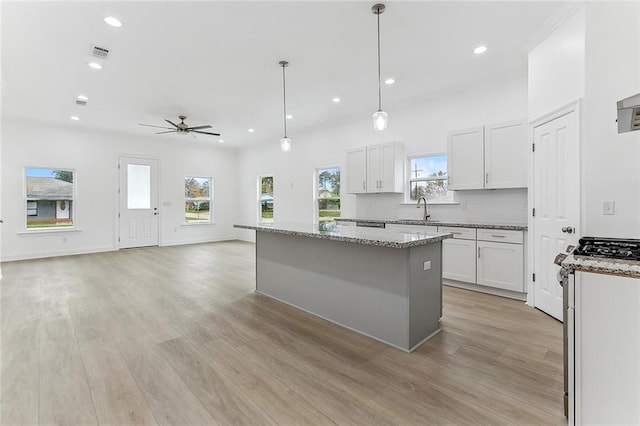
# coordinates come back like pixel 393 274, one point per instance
pixel 217 62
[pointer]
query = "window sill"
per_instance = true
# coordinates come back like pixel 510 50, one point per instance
pixel 432 203
pixel 48 231
pixel 197 223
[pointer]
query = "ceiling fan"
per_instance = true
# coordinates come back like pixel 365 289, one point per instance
pixel 182 127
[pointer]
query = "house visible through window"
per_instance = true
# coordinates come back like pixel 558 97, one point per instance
pixel 197 199
pixel 428 178
pixel 265 189
pixel 328 194
pixel 49 198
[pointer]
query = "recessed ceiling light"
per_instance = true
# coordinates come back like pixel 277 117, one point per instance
pixel 480 49
pixel 95 65
pixel 83 98
pixel 221 140
pixel 289 116
pixel 335 100
pixel 114 22
pixel 389 81
pixel 251 130
pixel 74 118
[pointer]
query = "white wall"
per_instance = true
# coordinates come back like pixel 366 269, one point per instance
pixel 94 157
pixel 557 67
pixel 611 161
pixel 421 126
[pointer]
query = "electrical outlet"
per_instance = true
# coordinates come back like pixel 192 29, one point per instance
pixel 427 265
pixel 608 207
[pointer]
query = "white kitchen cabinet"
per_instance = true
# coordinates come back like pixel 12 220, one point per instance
pixel 465 153
pixel 500 265
pixel 376 169
pixel 505 155
pixel 604 313
pixel 459 254
pixel 357 170
pixel 492 157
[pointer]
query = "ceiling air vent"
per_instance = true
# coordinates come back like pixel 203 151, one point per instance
pixel 635 122
pixel 81 102
pixel 100 52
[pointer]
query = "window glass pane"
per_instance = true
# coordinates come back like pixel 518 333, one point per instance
pixel 328 194
pixel 431 190
pixel 197 206
pixel 266 199
pixel 50 200
pixel 138 186
pixel 433 165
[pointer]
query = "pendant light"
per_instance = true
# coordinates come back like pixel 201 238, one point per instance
pixel 379 117
pixel 285 142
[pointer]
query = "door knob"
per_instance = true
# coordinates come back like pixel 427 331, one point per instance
pixel 568 229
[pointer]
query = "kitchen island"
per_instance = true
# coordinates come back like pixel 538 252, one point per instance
pixel 381 283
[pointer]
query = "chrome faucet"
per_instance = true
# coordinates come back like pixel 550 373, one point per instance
pixel 426 215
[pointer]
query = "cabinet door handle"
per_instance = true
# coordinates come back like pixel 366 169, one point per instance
pixel 498 236
pixel 478 252
pixel 364 185
pixel 486 178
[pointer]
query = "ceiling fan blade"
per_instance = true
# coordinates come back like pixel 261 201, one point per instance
pixel 206 133
pixel 151 125
pixel 168 131
pixel 172 123
pixel 199 127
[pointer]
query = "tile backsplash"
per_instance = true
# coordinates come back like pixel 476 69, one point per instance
pixel 483 205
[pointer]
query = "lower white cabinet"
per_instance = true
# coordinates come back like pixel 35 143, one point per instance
pixel 501 265
pixel 401 227
pixel 459 260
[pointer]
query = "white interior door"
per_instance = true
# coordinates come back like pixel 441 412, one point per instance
pixel 138 214
pixel 556 193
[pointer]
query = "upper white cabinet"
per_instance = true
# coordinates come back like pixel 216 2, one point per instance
pixel 493 156
pixel 505 155
pixel 465 153
pixel 375 168
pixel 357 170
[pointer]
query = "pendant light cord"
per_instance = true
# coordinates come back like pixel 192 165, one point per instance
pixel 284 96
pixel 379 89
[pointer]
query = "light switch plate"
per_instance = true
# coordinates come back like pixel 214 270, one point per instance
pixel 608 207
pixel 427 265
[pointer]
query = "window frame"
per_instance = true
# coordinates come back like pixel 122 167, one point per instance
pixel 259 218
pixel 316 191
pixel 72 203
pixel 200 199
pixel 449 199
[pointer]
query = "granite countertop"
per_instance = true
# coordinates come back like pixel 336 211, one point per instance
pixel 351 234
pixel 507 226
pixel 627 268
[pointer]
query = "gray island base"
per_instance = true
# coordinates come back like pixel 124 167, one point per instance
pixel 381 283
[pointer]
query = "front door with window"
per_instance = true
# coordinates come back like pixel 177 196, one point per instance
pixel 138 214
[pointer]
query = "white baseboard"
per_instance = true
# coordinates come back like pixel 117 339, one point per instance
pixel 56 253
pixel 488 290
pixel 202 241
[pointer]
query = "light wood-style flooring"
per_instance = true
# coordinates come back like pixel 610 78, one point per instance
pixel 176 335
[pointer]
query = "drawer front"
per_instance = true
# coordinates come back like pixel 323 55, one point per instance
pixel 411 228
pixel 501 236
pixel 459 233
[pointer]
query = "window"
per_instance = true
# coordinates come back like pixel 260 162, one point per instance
pixel 265 201
pixel 328 194
pixel 197 199
pixel 428 178
pixel 49 198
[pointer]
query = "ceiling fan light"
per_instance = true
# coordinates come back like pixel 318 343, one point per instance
pixel 285 145
pixel 380 119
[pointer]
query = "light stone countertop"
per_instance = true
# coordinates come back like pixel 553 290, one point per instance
pixel 627 268
pixel 351 234
pixel 506 226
